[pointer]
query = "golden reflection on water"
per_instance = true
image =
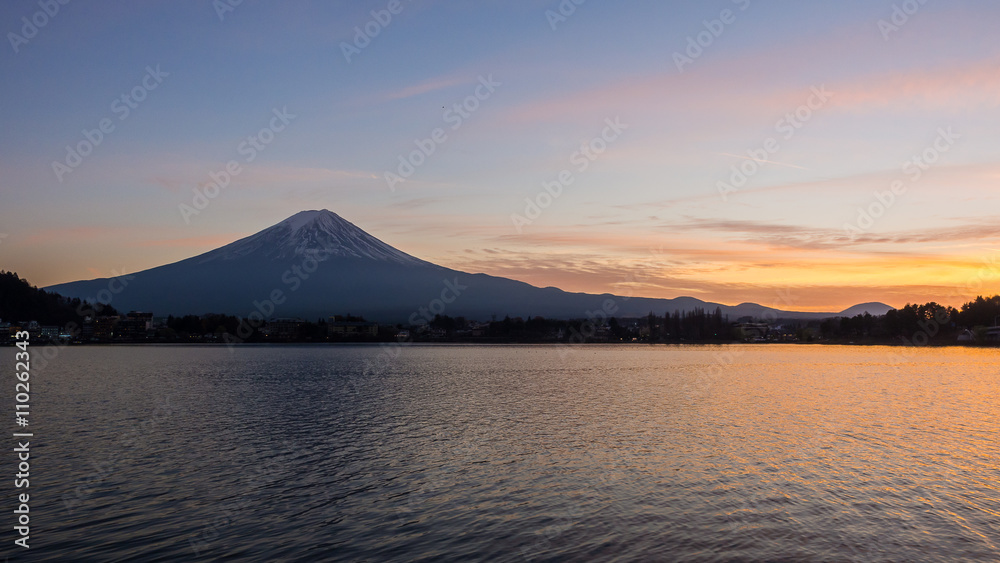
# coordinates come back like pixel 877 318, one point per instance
pixel 783 441
pixel 751 452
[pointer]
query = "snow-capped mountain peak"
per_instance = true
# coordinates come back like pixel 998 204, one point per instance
pixel 320 233
pixel 303 218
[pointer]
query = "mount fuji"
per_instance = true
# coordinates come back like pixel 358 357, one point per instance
pixel 316 264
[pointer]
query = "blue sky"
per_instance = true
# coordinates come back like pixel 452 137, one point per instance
pixel 647 211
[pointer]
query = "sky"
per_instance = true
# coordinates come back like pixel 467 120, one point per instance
pixel 802 155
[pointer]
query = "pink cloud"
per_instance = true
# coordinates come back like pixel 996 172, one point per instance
pixel 75 234
pixel 424 87
pixel 709 84
pixel 975 84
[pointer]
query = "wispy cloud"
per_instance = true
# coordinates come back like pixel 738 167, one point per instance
pixel 432 85
pixel 811 238
pixel 761 160
pixel 944 87
pixel 202 242
pixel 417 202
pixel 76 234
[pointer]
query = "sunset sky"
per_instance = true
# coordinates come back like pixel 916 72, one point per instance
pixel 825 109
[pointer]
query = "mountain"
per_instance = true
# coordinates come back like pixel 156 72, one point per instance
pixel 874 309
pixel 316 264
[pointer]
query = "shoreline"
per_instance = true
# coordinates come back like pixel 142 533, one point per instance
pixel 513 343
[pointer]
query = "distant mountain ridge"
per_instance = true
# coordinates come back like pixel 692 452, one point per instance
pixel 875 309
pixel 315 264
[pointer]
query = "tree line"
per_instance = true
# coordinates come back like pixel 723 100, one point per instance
pixel 936 323
pixel 917 323
pixel 21 301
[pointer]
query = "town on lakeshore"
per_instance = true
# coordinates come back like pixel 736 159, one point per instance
pixel 51 317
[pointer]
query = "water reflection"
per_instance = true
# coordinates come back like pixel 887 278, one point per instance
pixel 514 452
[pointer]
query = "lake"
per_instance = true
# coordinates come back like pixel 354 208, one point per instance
pixel 512 453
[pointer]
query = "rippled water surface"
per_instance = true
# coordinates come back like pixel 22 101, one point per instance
pixel 296 453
